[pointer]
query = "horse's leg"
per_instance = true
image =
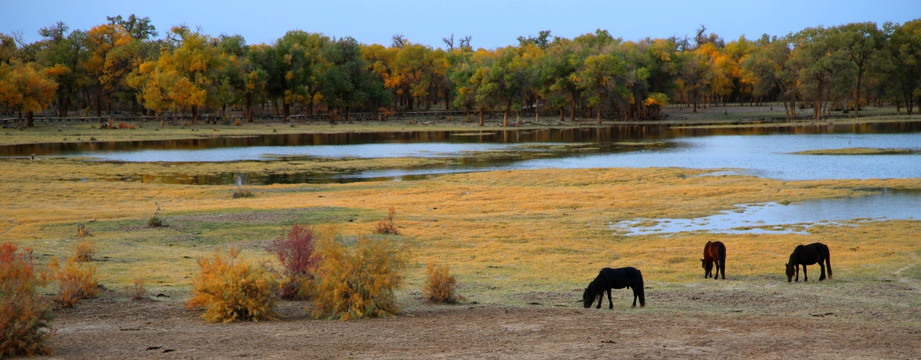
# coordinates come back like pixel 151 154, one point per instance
pixel 821 266
pixel 805 275
pixel 610 302
pixel 723 268
pixel 797 272
pixel 600 299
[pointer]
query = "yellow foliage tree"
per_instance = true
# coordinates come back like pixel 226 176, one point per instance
pixel 24 87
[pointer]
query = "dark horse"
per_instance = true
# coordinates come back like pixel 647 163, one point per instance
pixel 714 252
pixel 614 278
pixel 808 255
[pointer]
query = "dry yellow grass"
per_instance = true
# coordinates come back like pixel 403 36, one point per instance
pixel 501 233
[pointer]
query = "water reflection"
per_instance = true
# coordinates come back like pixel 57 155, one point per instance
pixel 774 218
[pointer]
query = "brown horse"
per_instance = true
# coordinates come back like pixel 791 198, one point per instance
pixel 808 255
pixel 714 252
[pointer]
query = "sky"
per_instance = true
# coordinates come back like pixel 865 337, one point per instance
pixel 489 23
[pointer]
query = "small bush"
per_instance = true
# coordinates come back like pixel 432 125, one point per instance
pixel 298 260
pixel 24 315
pixel 358 282
pixel 155 222
pixel 82 231
pixel 242 183
pixel 231 290
pixel 84 251
pixel 76 281
pixel 440 285
pixel 137 291
pixel 387 227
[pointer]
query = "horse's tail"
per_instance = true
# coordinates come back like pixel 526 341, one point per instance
pixel 638 288
pixel 828 261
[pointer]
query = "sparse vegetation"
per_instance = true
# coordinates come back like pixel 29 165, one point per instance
pixel 24 315
pixel 440 286
pixel 858 151
pixel 231 289
pixel 358 281
pixel 136 291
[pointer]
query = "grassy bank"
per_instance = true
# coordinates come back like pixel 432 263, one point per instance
pixel 766 116
pixel 506 235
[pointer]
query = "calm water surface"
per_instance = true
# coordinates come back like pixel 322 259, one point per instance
pixel 774 218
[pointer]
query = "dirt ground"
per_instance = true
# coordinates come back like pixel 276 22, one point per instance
pixel 116 328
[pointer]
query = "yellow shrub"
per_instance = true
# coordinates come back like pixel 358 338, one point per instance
pixel 358 282
pixel 84 251
pixel 439 285
pixel 232 290
pixel 23 315
pixel 76 281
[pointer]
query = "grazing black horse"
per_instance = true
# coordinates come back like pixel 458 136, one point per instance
pixel 614 278
pixel 808 255
pixel 714 252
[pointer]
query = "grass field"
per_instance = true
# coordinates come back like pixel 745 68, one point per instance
pixel 508 236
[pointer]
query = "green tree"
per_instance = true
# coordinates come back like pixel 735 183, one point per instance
pixel 905 54
pixel 860 43
pixel 601 78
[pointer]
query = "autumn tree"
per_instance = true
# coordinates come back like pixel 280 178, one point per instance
pixel 112 55
pixel 24 87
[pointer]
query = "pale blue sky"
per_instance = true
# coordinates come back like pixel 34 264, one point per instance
pixel 491 24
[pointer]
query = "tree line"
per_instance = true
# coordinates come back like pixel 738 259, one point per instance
pixel 122 66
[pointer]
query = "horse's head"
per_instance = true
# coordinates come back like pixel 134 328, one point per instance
pixel 588 297
pixel 706 265
pixel 790 272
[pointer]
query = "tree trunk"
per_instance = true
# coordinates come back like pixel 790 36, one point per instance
pixel 194 114
pixel 20 119
pixel 30 119
pixel 98 102
pixel 481 118
pixel 598 121
pixel 249 108
pixel 505 117
pixel 286 109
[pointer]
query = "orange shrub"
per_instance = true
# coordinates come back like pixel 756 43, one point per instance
pixel 358 282
pixel 76 281
pixel 387 227
pixel 439 285
pixel 82 231
pixel 231 290
pixel 23 315
pixel 84 251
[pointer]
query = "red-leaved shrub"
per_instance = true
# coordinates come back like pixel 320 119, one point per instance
pixel 298 260
pixel 23 314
